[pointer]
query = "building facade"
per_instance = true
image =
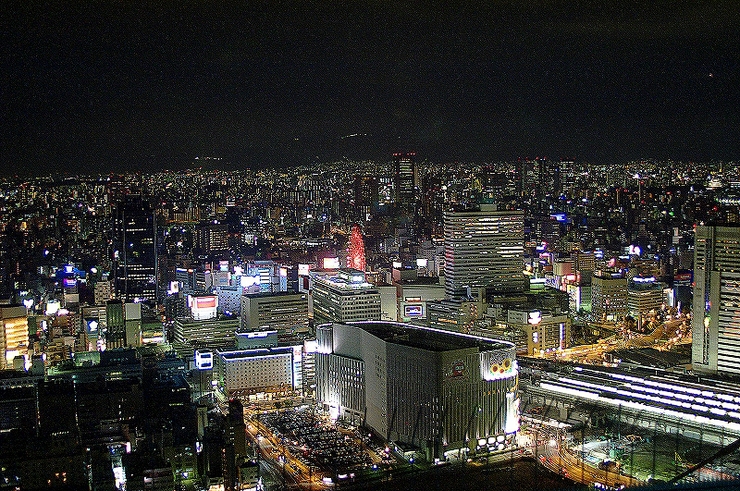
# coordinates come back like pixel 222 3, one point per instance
pixel 241 373
pixel 608 295
pixel 346 297
pixel 484 249
pixel 13 334
pixel 440 391
pixel 716 305
pixel 135 253
pixel 286 313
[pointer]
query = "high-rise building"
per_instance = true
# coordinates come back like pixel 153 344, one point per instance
pixel 716 307
pixel 345 297
pixel 212 237
pixel 102 292
pixel 644 295
pixel 366 196
pixel 135 253
pixel 608 295
pixel 286 313
pixel 484 249
pixel 405 178
pixel 13 334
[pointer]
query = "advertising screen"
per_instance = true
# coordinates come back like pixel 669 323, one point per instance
pixel 413 310
pixel 331 263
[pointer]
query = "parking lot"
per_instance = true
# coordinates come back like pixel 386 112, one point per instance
pixel 310 445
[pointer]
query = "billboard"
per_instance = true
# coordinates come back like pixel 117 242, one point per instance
pixel 203 307
pixel 303 269
pixel 331 263
pixel 413 310
pixel 203 359
pixel 92 326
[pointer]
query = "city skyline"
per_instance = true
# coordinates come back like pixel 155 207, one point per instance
pixel 129 87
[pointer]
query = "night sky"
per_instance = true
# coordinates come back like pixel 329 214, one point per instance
pixel 100 85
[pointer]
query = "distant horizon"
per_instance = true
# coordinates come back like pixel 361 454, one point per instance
pixel 224 164
pixel 115 86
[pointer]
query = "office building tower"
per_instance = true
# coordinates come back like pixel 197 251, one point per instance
pixel 242 373
pixel 115 322
pixel 439 391
pixel 13 334
pixel 345 297
pixel 211 333
pixel 135 253
pixel 366 196
pixel 608 295
pixel 484 249
pixel 286 313
pixel 102 292
pixel 405 179
pixel 644 295
pixel 212 237
pixel 716 305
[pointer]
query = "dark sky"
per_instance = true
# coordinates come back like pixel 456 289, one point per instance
pixel 104 85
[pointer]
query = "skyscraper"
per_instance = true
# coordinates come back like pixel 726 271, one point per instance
pixel 13 334
pixel 484 249
pixel 346 297
pixel 716 308
pixel 134 250
pixel 405 178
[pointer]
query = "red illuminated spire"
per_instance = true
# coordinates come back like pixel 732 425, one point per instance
pixel 356 250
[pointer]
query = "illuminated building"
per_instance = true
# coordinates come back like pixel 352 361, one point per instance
pixel 212 237
pixel 14 334
pixel 102 292
pixel 484 249
pixel 366 196
pixel 716 307
pixel 544 332
pixel 441 391
pixel 265 276
pixel 286 313
pixel 455 314
pixel 405 178
pixel 211 333
pixel 252 371
pixel 134 250
pixel 644 295
pixel 345 297
pixel 356 250
pixel 608 295
pixel 203 307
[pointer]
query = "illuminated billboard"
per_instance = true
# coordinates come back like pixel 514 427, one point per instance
pixel 203 359
pixel 52 306
pixel 331 263
pixel 413 310
pixel 303 269
pixel 92 326
pixel 203 307
pixel 247 281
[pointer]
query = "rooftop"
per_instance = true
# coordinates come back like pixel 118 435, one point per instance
pixel 429 338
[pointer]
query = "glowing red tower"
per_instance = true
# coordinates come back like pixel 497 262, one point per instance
pixel 356 249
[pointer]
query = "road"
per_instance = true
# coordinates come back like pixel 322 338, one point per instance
pixel 554 454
